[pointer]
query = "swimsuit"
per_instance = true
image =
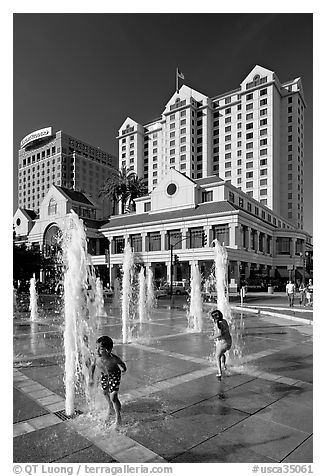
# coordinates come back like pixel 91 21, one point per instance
pixel 111 381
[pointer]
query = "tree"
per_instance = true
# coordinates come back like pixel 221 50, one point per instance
pixel 124 187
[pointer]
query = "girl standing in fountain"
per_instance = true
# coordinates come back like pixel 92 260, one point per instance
pixel 110 366
pixel 223 339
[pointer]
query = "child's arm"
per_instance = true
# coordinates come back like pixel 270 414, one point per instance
pixel 121 364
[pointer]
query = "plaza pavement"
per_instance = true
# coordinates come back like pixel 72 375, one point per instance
pixel 174 408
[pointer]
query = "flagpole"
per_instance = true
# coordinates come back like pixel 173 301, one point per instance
pixel 177 82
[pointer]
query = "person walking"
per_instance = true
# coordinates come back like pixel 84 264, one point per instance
pixel 309 292
pixel 290 291
pixel 302 291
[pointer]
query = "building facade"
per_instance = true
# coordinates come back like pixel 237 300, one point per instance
pixel 47 157
pixel 187 215
pixel 252 136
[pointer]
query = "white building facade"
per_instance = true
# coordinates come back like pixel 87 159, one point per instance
pixel 187 215
pixel 252 136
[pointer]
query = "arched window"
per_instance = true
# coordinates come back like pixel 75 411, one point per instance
pixel 52 208
pixel 50 241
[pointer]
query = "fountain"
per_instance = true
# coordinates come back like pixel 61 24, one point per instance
pixel 151 302
pixel 126 299
pixel 142 308
pixel 79 310
pixel 221 268
pixel 33 299
pixel 100 299
pixel 195 318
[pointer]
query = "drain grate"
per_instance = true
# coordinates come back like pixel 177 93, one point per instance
pixel 62 415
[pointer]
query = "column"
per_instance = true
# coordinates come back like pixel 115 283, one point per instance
pixel 207 229
pixel 162 233
pixel 143 242
pixel 184 238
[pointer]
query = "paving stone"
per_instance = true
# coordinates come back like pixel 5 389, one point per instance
pixel 48 444
pixel 135 454
pixel 219 450
pixel 302 454
pixel 267 438
pixel 25 408
pixel 92 454
pixel 285 412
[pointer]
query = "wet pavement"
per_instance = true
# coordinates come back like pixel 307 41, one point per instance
pixel 173 407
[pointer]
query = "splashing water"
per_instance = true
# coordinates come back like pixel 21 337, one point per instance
pixel 79 310
pixel 195 313
pixel 100 299
pixel 126 299
pixel 221 267
pixel 142 311
pixel 33 300
pixel 151 301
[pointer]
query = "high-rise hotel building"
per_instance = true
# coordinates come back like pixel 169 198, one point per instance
pixel 252 136
pixel 47 157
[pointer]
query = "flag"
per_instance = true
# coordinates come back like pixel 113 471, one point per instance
pixel 180 75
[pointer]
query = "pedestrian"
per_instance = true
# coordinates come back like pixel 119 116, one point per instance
pixel 309 292
pixel 223 340
pixel 302 291
pixel 110 366
pixel 290 291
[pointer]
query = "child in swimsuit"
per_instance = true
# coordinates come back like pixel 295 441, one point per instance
pixel 110 366
pixel 223 339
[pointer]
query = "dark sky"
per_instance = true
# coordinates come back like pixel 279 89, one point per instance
pixel 85 73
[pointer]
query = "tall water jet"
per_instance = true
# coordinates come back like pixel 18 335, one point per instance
pixel 79 309
pixel 33 299
pixel 221 279
pixel 126 299
pixel 151 299
pixel 100 311
pixel 142 310
pixel 195 313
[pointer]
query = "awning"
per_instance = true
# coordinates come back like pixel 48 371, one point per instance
pixel 282 273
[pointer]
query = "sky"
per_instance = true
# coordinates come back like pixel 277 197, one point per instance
pixel 84 73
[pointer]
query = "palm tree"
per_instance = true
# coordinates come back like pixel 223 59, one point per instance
pixel 136 188
pixel 125 186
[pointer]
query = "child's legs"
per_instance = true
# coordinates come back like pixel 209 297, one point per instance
pixel 116 405
pixel 108 399
pixel 220 350
pixel 223 359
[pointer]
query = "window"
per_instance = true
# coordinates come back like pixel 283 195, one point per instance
pixel 154 241
pixel 249 165
pixel 249 106
pixel 263 172
pixel 263 102
pixel 263 112
pixel 250 125
pixel 263 191
pixel 227 165
pixel 263 142
pixel 249 155
pixel 263 162
pixel 249 116
pixel 207 196
pixel 250 135
pixel 227 120
pixel 263 122
pixel 263 132
pixel 221 233
pixel 249 97
pixel 263 182
pixel 231 197
pixel 263 152
pixel 263 92
pixel 228 129
pixel 52 208
pixel 249 175
pixel 250 145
